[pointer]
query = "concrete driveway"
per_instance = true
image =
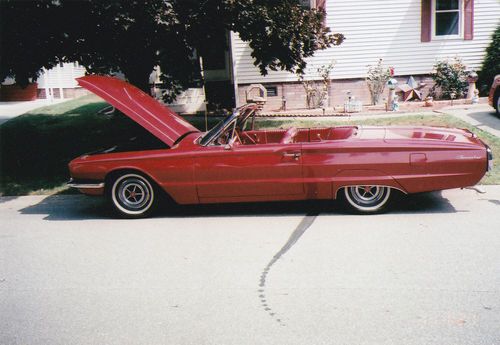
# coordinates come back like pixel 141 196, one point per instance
pixel 481 116
pixel 286 273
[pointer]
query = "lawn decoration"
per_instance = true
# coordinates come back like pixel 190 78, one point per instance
pixel 411 89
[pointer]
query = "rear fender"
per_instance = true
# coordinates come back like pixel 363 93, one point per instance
pixel 363 177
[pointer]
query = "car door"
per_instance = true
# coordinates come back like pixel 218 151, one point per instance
pixel 249 172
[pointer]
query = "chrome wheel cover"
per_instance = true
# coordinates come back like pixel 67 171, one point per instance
pixel 367 198
pixel 132 194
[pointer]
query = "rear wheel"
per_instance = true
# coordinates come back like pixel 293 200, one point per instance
pixel 367 199
pixel 132 196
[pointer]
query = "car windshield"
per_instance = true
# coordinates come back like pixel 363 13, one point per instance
pixel 241 115
pixel 218 128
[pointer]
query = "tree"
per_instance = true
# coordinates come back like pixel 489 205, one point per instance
pixel 135 36
pixel 491 64
pixel 28 39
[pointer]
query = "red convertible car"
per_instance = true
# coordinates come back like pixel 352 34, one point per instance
pixel 232 162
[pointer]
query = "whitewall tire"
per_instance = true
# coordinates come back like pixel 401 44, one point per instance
pixel 132 196
pixel 367 199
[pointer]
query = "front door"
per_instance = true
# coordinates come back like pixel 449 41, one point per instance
pixel 249 172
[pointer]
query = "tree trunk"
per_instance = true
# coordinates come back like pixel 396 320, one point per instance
pixel 138 75
pixel 140 81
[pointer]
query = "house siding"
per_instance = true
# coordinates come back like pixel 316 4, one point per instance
pixel 61 76
pixel 389 29
pixel 60 81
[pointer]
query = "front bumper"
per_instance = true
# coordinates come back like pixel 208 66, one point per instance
pixel 88 187
pixel 84 184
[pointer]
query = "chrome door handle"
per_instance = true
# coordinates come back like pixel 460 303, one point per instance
pixel 294 155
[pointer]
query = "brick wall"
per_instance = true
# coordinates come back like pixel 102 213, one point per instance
pixel 11 93
pixel 68 93
pixel 296 98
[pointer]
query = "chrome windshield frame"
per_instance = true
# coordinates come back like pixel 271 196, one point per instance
pixel 234 119
pixel 209 137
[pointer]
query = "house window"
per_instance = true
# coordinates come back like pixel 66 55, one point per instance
pixel 272 91
pixel 318 4
pixel 447 18
pixel 441 19
pixel 307 3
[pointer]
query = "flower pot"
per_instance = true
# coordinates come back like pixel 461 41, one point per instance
pixel 429 101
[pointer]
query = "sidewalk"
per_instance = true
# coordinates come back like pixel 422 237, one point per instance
pixel 9 110
pixel 481 116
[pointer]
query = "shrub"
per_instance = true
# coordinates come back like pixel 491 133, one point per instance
pixel 450 77
pixel 317 93
pixel 376 79
pixel 491 64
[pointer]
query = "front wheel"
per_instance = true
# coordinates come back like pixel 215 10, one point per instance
pixel 132 196
pixel 367 199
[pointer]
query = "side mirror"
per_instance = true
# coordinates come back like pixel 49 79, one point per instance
pixel 230 144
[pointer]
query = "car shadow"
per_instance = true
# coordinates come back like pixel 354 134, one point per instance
pixel 80 207
pixel 8 198
pixel 432 202
pixel 69 207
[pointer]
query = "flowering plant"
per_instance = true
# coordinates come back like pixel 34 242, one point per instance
pixel 377 78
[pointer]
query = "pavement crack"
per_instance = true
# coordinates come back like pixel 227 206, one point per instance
pixel 305 224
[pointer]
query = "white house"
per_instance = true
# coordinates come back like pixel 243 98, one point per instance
pixel 55 83
pixel 59 82
pixel 410 35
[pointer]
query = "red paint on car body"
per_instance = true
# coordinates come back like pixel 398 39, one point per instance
pixel 264 167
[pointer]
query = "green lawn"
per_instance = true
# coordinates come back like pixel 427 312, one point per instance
pixel 36 147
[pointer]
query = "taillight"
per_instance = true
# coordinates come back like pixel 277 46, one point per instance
pixel 489 155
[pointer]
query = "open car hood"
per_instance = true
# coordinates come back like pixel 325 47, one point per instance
pixel 162 122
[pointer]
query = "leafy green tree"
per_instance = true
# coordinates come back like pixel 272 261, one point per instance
pixel 29 39
pixel 491 64
pixel 134 36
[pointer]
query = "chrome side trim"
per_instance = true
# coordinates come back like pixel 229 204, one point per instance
pixel 85 185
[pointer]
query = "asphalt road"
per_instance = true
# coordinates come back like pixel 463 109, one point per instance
pixel 287 273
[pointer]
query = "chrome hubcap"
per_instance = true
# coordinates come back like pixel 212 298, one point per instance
pixel 133 194
pixel 367 194
pixel 367 198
